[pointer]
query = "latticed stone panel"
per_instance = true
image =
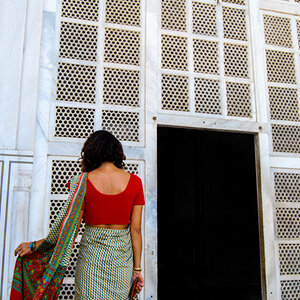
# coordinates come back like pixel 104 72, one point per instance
pixel 122 46
pixel 121 87
pixel 125 12
pixel 211 57
pixel 278 31
pixel 281 66
pixel 290 289
pixel 287 187
pixel 286 138
pixel 204 19
pixel 284 103
pixel 174 52
pixel 175 92
pixel 207 96
pixel 62 172
pixel 206 56
pixel 240 2
pixel 173 15
pixel 74 122
pixel 70 272
pixel 78 41
pixel 288 222
pixel 234 20
pixel 289 258
pixel 124 125
pixel 236 60
pixel 82 10
pixel 67 292
pixel 238 99
pixel 76 83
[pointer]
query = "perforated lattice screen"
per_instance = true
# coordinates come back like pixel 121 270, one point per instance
pixel 215 44
pixel 126 12
pixel 204 19
pixel 207 96
pixel 287 187
pixel 234 20
pixel 286 138
pixel 83 10
pixel 290 289
pixel 173 15
pixel 282 40
pixel 67 292
pixel 75 122
pixel 76 83
pixel 289 255
pixel 121 87
pixel 78 41
pixel 90 79
pixel 288 222
pixel 175 91
pixel 122 46
pixel 238 99
pixel 284 104
pixel 123 124
pixel 278 31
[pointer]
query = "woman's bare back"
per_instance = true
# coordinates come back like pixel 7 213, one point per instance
pixel 109 180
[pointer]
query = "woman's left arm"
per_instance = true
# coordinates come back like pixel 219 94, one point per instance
pixel 78 225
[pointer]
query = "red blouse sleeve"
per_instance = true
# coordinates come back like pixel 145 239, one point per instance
pixel 140 198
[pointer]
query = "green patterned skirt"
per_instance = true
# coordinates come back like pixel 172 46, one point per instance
pixel 104 264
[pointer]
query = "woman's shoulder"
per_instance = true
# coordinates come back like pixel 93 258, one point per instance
pixel 135 177
pixel 136 181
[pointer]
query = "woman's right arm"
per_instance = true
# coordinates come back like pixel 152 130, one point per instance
pixel 136 237
pixel 23 248
pixel 136 234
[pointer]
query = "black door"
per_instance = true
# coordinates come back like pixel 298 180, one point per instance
pixel 208 236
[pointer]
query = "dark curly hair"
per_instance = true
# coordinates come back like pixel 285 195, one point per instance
pixel 101 146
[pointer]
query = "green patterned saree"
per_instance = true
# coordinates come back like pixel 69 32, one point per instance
pixel 39 275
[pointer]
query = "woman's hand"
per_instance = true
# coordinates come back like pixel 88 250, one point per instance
pixel 23 249
pixel 140 282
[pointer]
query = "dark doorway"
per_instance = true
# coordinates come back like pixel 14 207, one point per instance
pixel 208 236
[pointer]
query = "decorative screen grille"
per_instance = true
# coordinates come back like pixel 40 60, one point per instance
pixel 206 50
pixel 290 289
pixel 99 85
pixel 287 215
pixel 282 44
pixel 100 71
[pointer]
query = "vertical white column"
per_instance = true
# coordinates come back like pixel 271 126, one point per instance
pixel 151 100
pixel 269 260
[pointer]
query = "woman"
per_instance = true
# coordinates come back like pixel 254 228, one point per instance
pixel 110 249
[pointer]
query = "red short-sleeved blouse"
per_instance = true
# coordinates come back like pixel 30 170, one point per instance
pixel 102 208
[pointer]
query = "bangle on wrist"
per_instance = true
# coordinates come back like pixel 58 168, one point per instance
pixel 137 269
pixel 32 246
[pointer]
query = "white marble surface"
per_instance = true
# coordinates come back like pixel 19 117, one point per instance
pixel 31 58
pixel 15 189
pixel 30 76
pixel 50 5
pixel 38 204
pixel 12 24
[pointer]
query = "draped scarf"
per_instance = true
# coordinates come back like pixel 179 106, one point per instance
pixel 39 275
